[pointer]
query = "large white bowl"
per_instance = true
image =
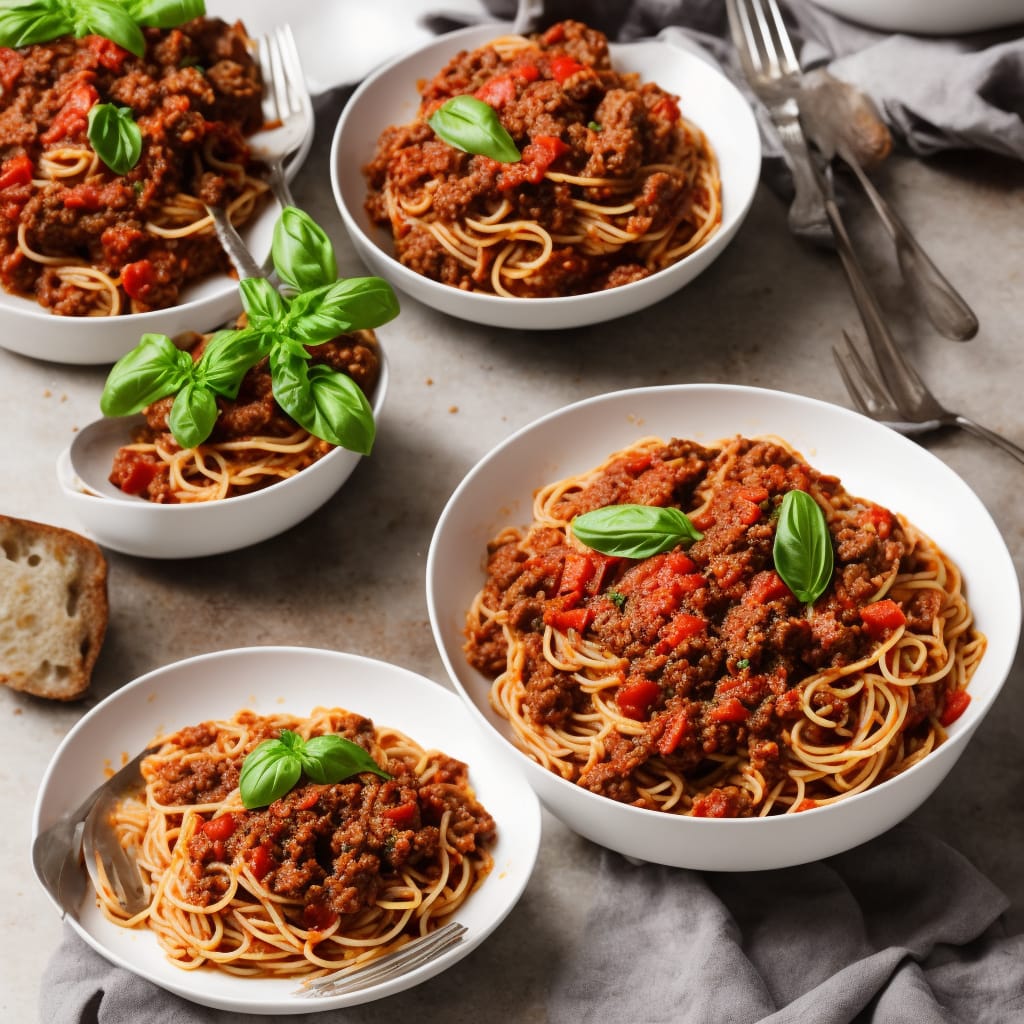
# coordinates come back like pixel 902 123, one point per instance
pixel 292 680
pixel 929 17
pixel 872 461
pixel 136 526
pixel 389 96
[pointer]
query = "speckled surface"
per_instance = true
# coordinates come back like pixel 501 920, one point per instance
pixel 351 576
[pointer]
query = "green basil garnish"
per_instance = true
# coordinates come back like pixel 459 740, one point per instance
pixel 634 531
pixel 326 402
pixel 473 126
pixel 273 768
pixel 40 21
pixel 115 136
pixel 803 547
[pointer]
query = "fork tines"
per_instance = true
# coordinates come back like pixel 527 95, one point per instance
pixel 413 954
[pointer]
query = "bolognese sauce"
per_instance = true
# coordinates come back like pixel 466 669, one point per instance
pixel 84 240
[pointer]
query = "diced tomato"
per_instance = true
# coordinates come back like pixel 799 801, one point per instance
pixel 309 800
pixel 82 197
pixel 497 91
pixel 11 67
pixel 538 155
pixel 703 520
pixel 140 476
pixel 108 54
pixel 261 861
pixel 681 628
pixel 677 728
pixel 16 171
pixel 956 705
pixel 564 67
pixel 635 698
pixel 747 512
pixel 220 827
pixel 766 586
pixel 880 518
pixel 137 278
pixel 756 494
pixel 564 619
pixel 73 115
pixel 402 814
pixel 637 465
pixel 882 617
pixel 805 805
pixel 716 804
pixel 788 704
pixel 667 109
pixel 576 573
pixel 317 917
pixel 555 34
pixel 729 710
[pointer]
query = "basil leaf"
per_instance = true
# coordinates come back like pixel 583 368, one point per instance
pixel 302 252
pixel 353 304
pixel 473 126
pixel 330 759
pixel 153 369
pixel 37 22
pixel 228 356
pixel 802 549
pixel 164 13
pixel 109 19
pixel 193 414
pixel 342 413
pixel 115 136
pixel 268 772
pixel 264 304
pixel 634 531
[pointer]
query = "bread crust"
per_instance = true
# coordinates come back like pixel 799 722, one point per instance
pixel 53 608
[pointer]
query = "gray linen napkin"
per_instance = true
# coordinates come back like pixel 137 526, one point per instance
pixel 902 929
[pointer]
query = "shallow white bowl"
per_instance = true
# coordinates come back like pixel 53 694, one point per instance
pixel 293 680
pixel 389 97
pixel 928 17
pixel 138 527
pixel 872 461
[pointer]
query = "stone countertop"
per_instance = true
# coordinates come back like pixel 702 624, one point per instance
pixel 765 314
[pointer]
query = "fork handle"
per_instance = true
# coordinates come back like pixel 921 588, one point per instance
pixel 805 212
pixel 238 252
pixel 989 435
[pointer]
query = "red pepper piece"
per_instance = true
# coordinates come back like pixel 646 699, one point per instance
pixel 137 278
pixel 956 705
pixel 402 814
pixel 261 861
pixel 73 115
pixel 882 617
pixel 635 698
pixel 564 619
pixel 16 171
pixel 681 628
pixel 577 572
pixel 677 728
pixel 221 827
pixel 564 67
pixel 766 586
pixel 729 710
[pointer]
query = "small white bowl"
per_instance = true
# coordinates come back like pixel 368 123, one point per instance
pixel 292 680
pixel 872 462
pixel 928 17
pixel 389 97
pixel 136 526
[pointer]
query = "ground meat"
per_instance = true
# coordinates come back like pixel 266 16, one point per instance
pixel 713 645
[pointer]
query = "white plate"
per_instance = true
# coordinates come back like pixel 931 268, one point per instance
pixel 389 97
pixel 30 330
pixel 291 680
pixel 929 17
pixel 872 462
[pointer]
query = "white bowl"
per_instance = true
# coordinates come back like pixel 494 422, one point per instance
pixel 928 17
pixel 293 680
pixel 389 97
pixel 136 526
pixel 872 462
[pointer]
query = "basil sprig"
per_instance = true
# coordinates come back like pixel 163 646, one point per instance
pixel 802 549
pixel 273 768
pixel 473 126
pixel 326 402
pixel 121 21
pixel 634 531
pixel 115 136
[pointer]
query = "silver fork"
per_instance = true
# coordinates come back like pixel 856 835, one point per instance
pixel 411 955
pixel 58 850
pixel 921 414
pixel 287 108
pixel 772 68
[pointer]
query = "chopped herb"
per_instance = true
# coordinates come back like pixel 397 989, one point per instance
pixel 595 126
pixel 616 598
pixel 743 663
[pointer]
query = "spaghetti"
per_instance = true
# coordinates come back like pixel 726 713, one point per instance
pixel 85 241
pixel 614 183
pixel 254 443
pixel 694 682
pixel 328 877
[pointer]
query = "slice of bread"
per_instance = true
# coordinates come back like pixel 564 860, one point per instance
pixel 53 608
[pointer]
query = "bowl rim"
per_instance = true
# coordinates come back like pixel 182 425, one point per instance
pixel 948 751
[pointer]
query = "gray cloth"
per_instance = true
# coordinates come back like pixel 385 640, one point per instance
pixel 902 929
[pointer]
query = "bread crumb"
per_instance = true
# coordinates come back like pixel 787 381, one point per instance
pixel 453 408
pixel 430 382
